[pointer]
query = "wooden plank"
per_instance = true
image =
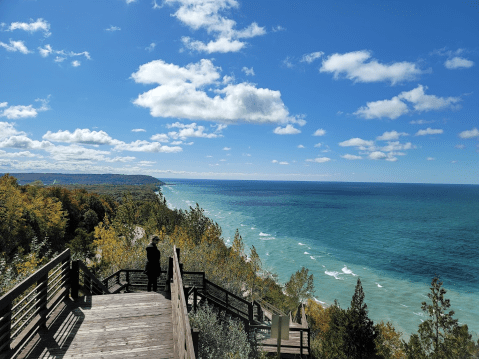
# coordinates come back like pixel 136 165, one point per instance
pixel 107 326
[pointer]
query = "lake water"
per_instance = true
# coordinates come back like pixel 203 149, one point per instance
pixel 395 237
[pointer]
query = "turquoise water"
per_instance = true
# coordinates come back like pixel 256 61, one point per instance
pixel 395 237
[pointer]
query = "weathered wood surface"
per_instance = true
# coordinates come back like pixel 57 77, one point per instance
pixel 106 326
pixel 294 340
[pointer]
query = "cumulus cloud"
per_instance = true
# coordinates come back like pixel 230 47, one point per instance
pixel 8 129
pixel 62 55
pixel 377 155
pixel 226 148
pixel 274 161
pixel 319 159
pixel 284 163
pixel 354 67
pixel 84 136
pixel 192 130
pixel 301 146
pixel 458 63
pixel 21 111
pixel 351 157
pixel 392 109
pixel 356 142
pixel 397 107
pixel 392 135
pixel 207 15
pixel 32 26
pixel 429 131
pixel 160 137
pixel 145 146
pixel 319 132
pixel 4 154
pixel 318 144
pixel 138 130
pixel 420 122
pixel 470 133
pixel 288 130
pixel 113 28
pixel 76 153
pixel 15 46
pixel 430 158
pixel 309 58
pixel 23 142
pixel 247 71
pixel 76 63
pixel 181 94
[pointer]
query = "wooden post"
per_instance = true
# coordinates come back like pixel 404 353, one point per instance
pixel 127 280
pixel 309 342
pixel 279 338
pixel 178 254
pixel 195 299
pixel 195 334
pixel 169 275
pixel 42 294
pixel 74 279
pixel 301 343
pixel 5 323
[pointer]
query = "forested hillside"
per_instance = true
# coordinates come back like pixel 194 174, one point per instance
pixel 110 230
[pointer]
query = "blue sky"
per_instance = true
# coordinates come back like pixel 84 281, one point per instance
pixel 380 91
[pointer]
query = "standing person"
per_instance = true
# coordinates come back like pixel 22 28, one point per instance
pixel 152 267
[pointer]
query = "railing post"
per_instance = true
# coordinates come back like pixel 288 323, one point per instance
pixel 67 260
pixel 42 293
pixel 75 279
pixel 301 343
pixel 127 280
pixel 5 324
pixel 309 342
pixel 178 254
pixel 169 275
pixel 195 299
pixel 195 334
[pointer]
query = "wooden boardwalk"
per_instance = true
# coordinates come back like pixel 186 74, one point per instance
pixel 123 325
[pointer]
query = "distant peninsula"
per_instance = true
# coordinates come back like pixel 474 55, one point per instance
pixel 49 179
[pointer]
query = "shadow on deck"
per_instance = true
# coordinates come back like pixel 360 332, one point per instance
pixel 107 326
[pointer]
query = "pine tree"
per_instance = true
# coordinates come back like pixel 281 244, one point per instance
pixel 360 334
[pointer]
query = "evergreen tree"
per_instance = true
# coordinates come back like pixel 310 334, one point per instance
pixel 360 332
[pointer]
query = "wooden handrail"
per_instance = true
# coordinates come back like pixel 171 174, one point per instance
pixel 93 278
pixel 183 342
pixel 25 308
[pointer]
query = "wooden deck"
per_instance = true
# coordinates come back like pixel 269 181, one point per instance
pixel 123 325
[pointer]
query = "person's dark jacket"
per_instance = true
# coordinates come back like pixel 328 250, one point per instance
pixel 152 267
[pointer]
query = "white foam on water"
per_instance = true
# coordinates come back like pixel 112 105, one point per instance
pixel 346 270
pixel 242 225
pixel 379 285
pixel 306 253
pixel 253 227
pixel 301 244
pixel 264 234
pixel 419 314
pixel 333 274
pixel 267 238
pixel 404 305
pixel 312 258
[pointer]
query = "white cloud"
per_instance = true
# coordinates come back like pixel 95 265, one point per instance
pixel 319 144
pixel 396 146
pixel 247 71
pixel 351 157
pixel 430 158
pixel 192 130
pixel 284 163
pixel 76 153
pixel 319 159
pixel 319 132
pixel 59 59
pixel 113 28
pixel 151 47
pixel 356 142
pixel 84 136
pixel 20 111
pixel 309 58
pixel 287 62
pixel 288 130
pixel 396 107
pixel 377 155
pixel 429 131
pixel 7 130
pixel 386 108
pixel 458 63
pixel 423 102
pixel 76 63
pixel 301 146
pixel 420 122
pixel 274 161
pixel 45 51
pixel 15 46
pixel 206 14
pixel 470 133
pixel 180 94
pixel 226 148
pixel 145 146
pixel 32 26
pixel 461 146
pixel 354 67
pixel 278 28
pixel 138 130
pixel 160 137
pixel 4 154
pixel 23 142
pixel 392 135
pixel 130 1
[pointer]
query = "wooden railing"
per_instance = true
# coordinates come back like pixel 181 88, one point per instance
pixel 303 342
pixel 25 308
pixel 183 338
